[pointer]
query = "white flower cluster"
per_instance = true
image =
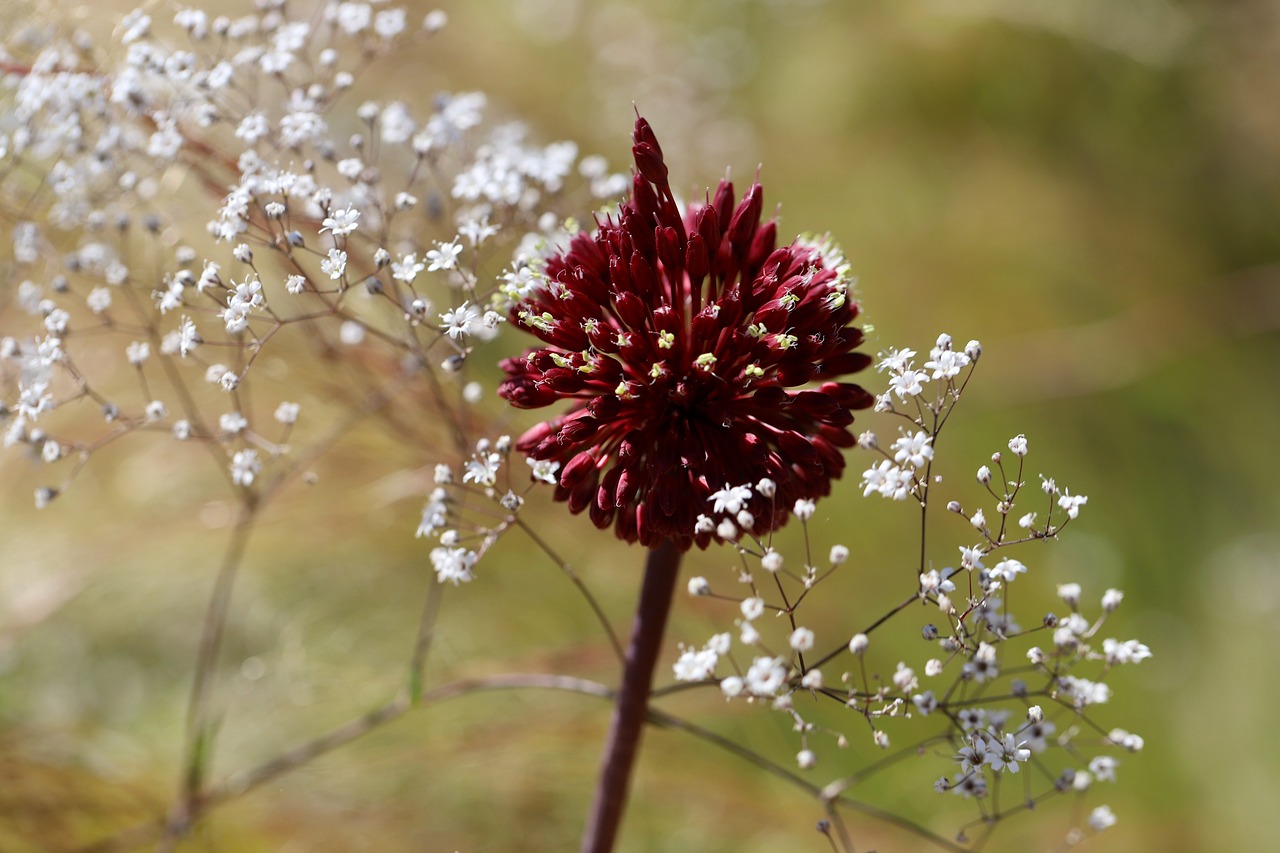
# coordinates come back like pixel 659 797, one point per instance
pixel 354 237
pixel 973 691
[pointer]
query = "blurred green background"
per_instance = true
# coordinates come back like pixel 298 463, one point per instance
pixel 1088 187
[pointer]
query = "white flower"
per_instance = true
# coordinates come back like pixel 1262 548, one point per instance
pixel 1069 593
pixel 544 471
pixel 1103 768
pixel 1072 503
pixel 1126 740
pixel 766 676
pixel 913 449
pixel 1006 570
pixel 453 564
pixel 1130 651
pixel 99 300
pixel 806 759
pixel 908 383
pixel 445 257
pixel 482 469
pixel 971 558
pixel 460 321
pixel 947 364
pixel 752 608
pixel 407 268
pixel 925 702
pixel 858 644
pixel 1083 692
pixel 730 499
pixel 801 639
pixel 731 686
pixel 1018 444
pixel 904 678
pixel 342 221
pixel 138 352
pixel 895 360
pixel 287 413
pixel 699 586
pixel 1111 600
pixel 1101 818
pixel 695 665
pixel 1005 755
pixel 335 265
pixel 232 423
pixel 389 23
pixel 245 467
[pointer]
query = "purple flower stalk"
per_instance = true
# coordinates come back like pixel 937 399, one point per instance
pixel 701 361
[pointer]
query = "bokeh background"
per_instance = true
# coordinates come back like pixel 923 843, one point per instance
pixel 1089 187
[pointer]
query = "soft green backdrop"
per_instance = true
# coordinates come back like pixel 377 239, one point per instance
pixel 1089 187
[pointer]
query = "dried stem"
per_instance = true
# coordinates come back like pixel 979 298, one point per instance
pixel 631 707
pixel 199 736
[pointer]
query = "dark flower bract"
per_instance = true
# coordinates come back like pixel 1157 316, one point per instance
pixel 698 356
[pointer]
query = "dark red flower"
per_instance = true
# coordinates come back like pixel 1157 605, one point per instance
pixel 681 339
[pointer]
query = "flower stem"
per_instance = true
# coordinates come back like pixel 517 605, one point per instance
pixel 631 707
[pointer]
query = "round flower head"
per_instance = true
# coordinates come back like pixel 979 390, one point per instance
pixel 680 339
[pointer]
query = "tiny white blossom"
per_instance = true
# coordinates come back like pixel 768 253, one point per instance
pixel 695 665
pixel 544 470
pixel 287 413
pixel 1018 445
pixel 482 469
pixel 335 265
pixel 909 383
pixel 1103 768
pixel 245 467
pixel 895 360
pixel 766 676
pixel 801 639
pixel 752 608
pixel 445 257
pixel 699 586
pixel 460 321
pixel 1129 651
pixel 342 221
pixel 453 564
pixel 1101 818
pixel 730 499
pixel 1007 570
pixel 914 449
pixel 1072 503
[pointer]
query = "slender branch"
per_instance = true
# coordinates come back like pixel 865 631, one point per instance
pixel 660 573
pixel 199 736
pixel 576 581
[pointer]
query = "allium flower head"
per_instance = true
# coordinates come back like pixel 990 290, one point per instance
pixel 686 341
